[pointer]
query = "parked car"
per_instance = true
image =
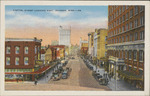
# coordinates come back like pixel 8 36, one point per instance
pixel 65 74
pixel 56 76
pixel 103 80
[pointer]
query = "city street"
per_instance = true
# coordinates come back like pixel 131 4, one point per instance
pixel 80 79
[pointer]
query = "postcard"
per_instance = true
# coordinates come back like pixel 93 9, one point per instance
pixel 74 48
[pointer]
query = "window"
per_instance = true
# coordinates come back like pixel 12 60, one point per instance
pixel 117 12
pixel 123 18
pixel 17 61
pixel 130 37
pixel 127 27
pixel 106 38
pixel 7 60
pixel 7 50
pixel 35 49
pixel 136 23
pixel 142 35
pixel 26 60
pixel 135 55
pixel 26 49
pixel 130 25
pixel 123 8
pixel 141 8
pixel 117 40
pixel 130 54
pixel 135 10
pixel 120 11
pixel 127 16
pixel 127 38
pixel 127 7
pixel 120 20
pixel 131 13
pixel 126 53
pixel 136 36
pixel 17 49
pixel 142 20
pixel 141 55
pixel 123 28
pixel 122 38
pixel 120 29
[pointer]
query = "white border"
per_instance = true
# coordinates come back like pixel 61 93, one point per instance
pixel 74 93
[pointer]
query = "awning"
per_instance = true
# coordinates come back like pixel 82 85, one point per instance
pixel 40 71
pixel 130 75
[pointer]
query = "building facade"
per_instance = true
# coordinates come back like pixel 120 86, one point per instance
pixel 20 56
pixel 126 43
pixel 91 44
pixel 64 36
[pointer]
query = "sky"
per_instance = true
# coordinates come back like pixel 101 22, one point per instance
pixel 43 21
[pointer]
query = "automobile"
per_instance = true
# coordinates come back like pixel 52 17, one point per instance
pixel 65 74
pixel 56 77
pixel 103 80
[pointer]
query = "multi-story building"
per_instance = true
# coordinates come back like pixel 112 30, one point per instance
pixel 20 56
pixel 101 44
pixel 84 48
pixel 91 44
pixel 64 36
pixel 126 42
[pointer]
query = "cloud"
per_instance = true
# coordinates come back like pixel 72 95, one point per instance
pixel 61 13
pixel 27 20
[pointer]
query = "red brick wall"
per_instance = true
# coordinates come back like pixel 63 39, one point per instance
pixel 31 54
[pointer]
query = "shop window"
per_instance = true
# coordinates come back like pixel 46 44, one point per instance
pixel 7 50
pixel 7 60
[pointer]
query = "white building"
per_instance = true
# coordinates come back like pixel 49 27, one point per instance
pixel 82 41
pixel 95 45
pixel 64 36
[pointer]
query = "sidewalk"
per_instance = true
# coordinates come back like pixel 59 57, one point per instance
pixel 121 86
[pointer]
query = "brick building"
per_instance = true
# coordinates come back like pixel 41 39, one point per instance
pixel 20 56
pixel 126 43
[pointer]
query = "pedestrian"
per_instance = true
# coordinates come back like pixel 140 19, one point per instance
pixel 35 82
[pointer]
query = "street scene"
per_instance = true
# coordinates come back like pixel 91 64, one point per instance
pixel 54 48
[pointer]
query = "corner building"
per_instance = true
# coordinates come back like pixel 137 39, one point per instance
pixel 125 49
pixel 20 56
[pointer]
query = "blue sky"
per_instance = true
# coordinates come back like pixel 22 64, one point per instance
pixel 88 15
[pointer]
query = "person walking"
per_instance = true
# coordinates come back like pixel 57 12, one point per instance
pixel 35 82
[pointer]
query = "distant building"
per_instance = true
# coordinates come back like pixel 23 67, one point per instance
pixel 83 46
pixel 54 42
pixel 64 36
pixel 43 55
pixel 91 43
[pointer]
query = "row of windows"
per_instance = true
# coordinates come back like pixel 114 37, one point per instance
pixel 26 60
pixel 122 9
pixel 17 50
pixel 18 70
pixel 122 19
pixel 128 55
pixel 128 38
